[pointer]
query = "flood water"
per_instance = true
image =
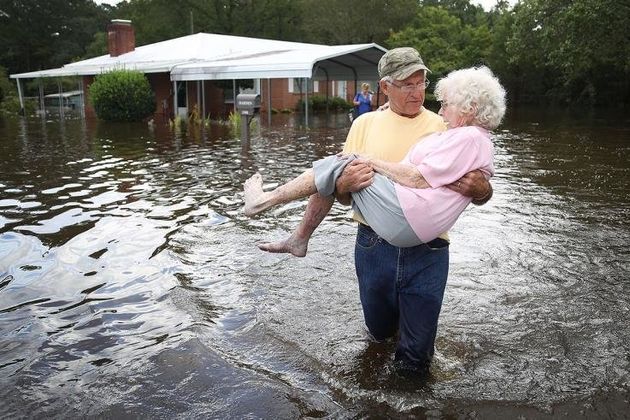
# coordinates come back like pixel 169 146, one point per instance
pixel 131 286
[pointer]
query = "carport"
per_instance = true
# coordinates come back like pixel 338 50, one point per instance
pixel 202 57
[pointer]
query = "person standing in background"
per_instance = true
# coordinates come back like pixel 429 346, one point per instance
pixel 363 100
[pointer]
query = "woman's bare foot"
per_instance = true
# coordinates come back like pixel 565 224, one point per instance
pixel 291 245
pixel 254 195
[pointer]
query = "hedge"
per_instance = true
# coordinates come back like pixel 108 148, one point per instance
pixel 122 95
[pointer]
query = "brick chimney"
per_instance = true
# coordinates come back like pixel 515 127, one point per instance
pixel 121 38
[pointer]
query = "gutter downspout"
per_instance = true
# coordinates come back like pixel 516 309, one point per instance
pixel 174 99
pixel 199 105
pixel 82 97
pixel 327 85
pixel 61 101
pixel 42 107
pixel 19 88
pixel 306 102
pixel 234 95
pixel 269 102
pixel 203 100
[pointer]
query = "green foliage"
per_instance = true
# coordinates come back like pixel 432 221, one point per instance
pixel 542 50
pixel 44 34
pixel 340 104
pixel 7 88
pixel 355 21
pixel 122 95
pixel 49 85
pixel 158 20
pixel 577 50
pixel 98 46
pixel 467 13
pixel 320 103
pixel 435 34
pixel 9 101
pixel 11 105
pixel 177 123
pixel 444 41
pixel 234 120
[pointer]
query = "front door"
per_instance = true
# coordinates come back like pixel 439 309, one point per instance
pixel 182 99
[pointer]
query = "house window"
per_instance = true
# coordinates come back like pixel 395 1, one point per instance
pixel 342 89
pixel 299 85
pixel 241 85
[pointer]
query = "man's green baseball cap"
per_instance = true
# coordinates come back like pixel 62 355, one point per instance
pixel 400 63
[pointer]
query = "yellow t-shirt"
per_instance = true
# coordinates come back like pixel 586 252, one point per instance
pixel 388 136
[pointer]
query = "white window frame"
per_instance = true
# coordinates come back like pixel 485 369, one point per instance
pixel 293 85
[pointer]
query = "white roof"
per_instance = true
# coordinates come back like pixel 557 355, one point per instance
pixel 65 94
pixel 211 56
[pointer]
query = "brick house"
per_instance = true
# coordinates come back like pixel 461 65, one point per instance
pixel 206 71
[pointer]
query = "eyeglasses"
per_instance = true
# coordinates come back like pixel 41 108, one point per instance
pixel 408 88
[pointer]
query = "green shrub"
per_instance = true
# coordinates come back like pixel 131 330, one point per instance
pixel 6 87
pixel 122 95
pixel 235 120
pixel 340 104
pixel 9 100
pixel 11 105
pixel 319 102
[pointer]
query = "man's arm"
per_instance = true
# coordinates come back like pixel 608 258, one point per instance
pixel 475 185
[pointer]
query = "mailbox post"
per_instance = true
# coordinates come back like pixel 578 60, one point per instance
pixel 248 105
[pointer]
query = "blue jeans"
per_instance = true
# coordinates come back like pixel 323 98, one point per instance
pixel 401 291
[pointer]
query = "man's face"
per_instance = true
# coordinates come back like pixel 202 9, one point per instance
pixel 406 96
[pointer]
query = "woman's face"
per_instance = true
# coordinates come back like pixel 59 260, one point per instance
pixel 451 115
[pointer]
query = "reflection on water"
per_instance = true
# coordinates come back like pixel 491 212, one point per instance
pixel 130 283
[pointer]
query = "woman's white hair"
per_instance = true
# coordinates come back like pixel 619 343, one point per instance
pixel 474 92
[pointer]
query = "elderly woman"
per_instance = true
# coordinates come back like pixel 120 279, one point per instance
pixel 408 202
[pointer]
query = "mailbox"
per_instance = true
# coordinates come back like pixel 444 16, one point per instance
pixel 248 103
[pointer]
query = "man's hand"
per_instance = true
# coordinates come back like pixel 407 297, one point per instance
pixel 357 175
pixel 474 184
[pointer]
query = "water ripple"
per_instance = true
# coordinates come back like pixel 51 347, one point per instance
pixel 130 276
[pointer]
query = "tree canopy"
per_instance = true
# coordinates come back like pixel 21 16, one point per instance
pixel 35 35
pixel 543 50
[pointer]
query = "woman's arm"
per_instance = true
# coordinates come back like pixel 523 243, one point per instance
pixel 402 173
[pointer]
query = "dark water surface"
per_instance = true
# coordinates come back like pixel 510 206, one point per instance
pixel 130 284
